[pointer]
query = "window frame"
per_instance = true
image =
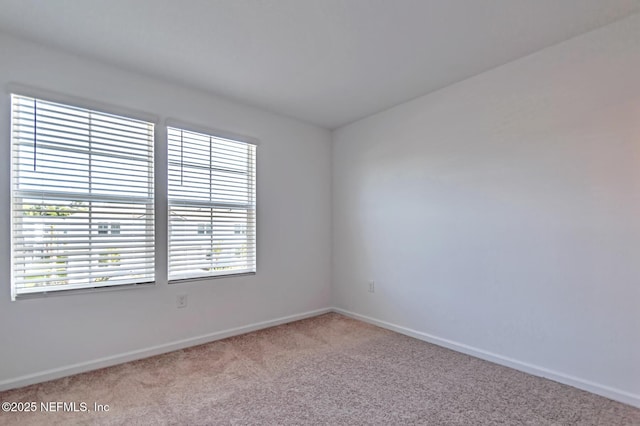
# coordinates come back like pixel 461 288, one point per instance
pixel 160 184
pixel 98 107
pixel 221 134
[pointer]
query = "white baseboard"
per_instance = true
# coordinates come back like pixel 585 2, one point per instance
pixel 56 373
pixel 576 382
pixel 109 361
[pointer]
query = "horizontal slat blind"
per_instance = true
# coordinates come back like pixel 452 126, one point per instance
pixel 212 208
pixel 82 202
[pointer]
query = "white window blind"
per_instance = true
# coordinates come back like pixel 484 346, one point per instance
pixel 82 198
pixel 211 196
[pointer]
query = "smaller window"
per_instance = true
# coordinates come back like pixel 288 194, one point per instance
pixel 109 228
pixel 103 228
pixel 205 229
pixel 212 205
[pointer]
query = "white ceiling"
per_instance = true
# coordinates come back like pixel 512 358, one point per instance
pixel 328 62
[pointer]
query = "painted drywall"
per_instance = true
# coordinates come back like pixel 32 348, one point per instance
pixel 293 188
pixel 502 214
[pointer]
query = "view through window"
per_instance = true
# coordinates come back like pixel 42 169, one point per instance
pixel 212 205
pixel 82 198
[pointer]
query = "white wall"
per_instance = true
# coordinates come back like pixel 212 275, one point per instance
pixel 42 337
pixel 503 213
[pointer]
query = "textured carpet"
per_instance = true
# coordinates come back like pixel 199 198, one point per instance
pixel 328 370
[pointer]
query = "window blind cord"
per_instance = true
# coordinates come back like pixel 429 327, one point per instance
pixel 213 258
pixel 35 132
pixel 181 158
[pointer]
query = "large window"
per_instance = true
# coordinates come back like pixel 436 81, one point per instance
pixel 82 198
pixel 212 205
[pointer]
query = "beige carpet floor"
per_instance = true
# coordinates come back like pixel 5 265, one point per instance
pixel 327 370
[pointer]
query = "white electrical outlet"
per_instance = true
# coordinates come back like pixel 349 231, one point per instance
pixel 181 301
pixel 372 286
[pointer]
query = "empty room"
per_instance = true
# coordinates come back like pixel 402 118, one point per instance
pixel 320 212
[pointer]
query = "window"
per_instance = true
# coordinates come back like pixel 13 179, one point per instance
pixel 115 229
pixel 82 198
pixel 211 196
pixel 205 229
pixel 106 228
